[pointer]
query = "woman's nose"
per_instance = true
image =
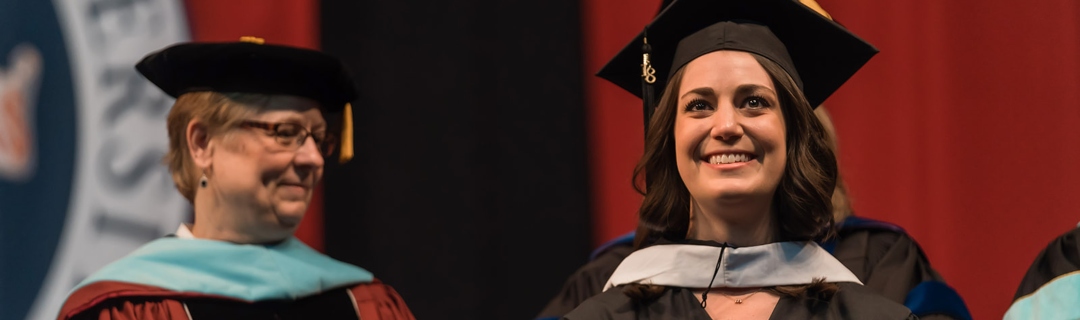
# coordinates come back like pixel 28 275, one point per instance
pixel 308 153
pixel 726 124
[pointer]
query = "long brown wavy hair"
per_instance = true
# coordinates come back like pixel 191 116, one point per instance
pixel 841 201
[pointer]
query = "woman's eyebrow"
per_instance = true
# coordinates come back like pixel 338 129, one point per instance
pixel 701 91
pixel 292 118
pixel 748 89
pixel 745 89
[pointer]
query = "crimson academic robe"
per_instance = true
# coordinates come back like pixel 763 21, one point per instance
pixel 172 278
pixel 122 301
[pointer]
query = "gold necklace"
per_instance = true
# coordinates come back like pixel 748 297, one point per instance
pixel 740 300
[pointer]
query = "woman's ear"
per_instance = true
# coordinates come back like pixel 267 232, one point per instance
pixel 199 145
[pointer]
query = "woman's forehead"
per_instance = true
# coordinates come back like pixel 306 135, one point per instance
pixel 286 102
pixel 304 114
pixel 725 68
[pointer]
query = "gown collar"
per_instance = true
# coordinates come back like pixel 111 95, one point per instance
pixel 252 272
pixel 692 265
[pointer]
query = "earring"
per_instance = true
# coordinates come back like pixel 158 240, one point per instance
pixel 202 181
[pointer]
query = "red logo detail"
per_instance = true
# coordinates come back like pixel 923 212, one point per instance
pixel 18 90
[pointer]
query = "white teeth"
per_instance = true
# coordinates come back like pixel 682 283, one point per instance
pixel 728 158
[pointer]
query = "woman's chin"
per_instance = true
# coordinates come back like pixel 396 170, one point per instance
pixel 290 222
pixel 289 215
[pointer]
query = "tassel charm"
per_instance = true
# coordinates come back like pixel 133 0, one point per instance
pixel 647 70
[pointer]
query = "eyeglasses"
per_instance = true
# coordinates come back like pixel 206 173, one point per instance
pixel 292 135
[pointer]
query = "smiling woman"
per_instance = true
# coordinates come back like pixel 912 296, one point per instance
pixel 251 157
pixel 247 141
pixel 738 172
pixel 729 132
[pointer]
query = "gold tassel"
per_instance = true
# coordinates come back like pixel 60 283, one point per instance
pixel 817 7
pixel 255 40
pixel 346 135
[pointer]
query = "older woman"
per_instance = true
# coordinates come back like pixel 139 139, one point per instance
pixel 248 139
pixel 737 172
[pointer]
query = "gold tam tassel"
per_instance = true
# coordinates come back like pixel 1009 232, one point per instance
pixel 255 40
pixel 817 7
pixel 346 135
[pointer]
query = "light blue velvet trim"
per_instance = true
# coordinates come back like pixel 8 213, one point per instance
pixel 1057 299
pixel 287 270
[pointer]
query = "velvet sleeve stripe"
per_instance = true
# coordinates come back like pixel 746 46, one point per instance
pixel 626 238
pixel 377 301
pixel 934 297
pixel 98 293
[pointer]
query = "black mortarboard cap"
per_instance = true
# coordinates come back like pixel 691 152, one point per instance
pixel 250 66
pixel 817 52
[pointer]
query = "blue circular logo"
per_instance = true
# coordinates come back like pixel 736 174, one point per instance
pixel 37 148
pixel 82 136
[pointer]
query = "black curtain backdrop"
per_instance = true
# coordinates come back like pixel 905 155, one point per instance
pixel 469 192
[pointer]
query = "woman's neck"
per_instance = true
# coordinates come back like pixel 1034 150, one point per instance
pixel 216 219
pixel 739 224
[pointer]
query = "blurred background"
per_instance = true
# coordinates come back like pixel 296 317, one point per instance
pixel 491 160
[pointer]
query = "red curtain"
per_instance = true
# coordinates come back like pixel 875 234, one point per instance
pixel 965 129
pixel 294 23
pixel 614 119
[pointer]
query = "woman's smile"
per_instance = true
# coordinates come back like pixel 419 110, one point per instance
pixel 293 189
pixel 728 160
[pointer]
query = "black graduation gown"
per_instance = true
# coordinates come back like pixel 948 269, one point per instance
pixel 880 254
pixel 1049 289
pixel 852 301
pixel 587 281
pixel 888 261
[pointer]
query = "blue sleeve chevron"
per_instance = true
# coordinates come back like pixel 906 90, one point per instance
pixel 626 238
pixel 934 297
